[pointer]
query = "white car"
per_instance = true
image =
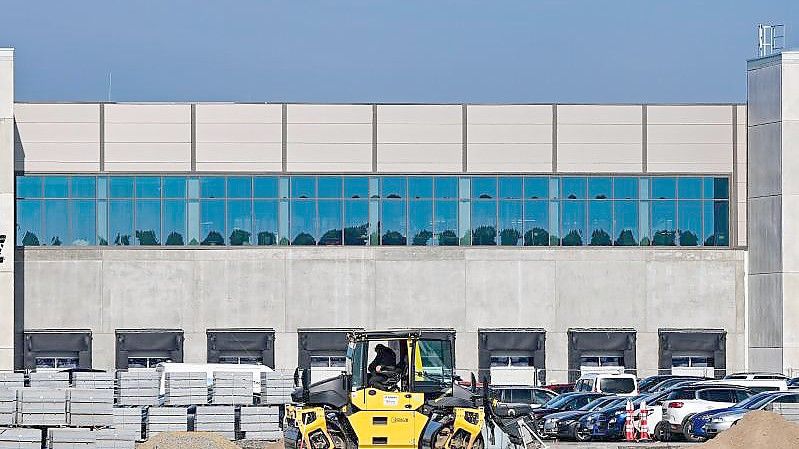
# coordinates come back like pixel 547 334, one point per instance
pixel 759 382
pixel 682 403
pixel 615 384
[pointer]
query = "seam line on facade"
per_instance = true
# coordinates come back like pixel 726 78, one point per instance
pixel 374 138
pixel 554 138
pixel 644 137
pixel 193 109
pixel 464 137
pixel 733 222
pixel 102 137
pixel 283 140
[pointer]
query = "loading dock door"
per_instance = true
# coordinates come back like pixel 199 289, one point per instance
pixel 694 352
pixel 605 348
pixel 57 349
pixel 512 356
pixel 241 346
pixel 145 348
pixel 323 352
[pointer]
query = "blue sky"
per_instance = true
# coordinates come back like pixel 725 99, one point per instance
pixel 564 51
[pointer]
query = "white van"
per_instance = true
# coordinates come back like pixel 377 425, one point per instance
pixel 616 384
pixel 757 382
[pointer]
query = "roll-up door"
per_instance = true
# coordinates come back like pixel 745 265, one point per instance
pixel 57 349
pixel 512 356
pixel 601 351
pixel 694 352
pixel 323 351
pixel 145 348
pixel 241 346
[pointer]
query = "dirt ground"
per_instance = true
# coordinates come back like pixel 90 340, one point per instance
pixel 203 440
pixel 757 430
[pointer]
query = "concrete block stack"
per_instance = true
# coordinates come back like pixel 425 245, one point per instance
pixel 93 381
pixel 167 419
pixel 20 438
pixel 216 418
pixel 90 408
pixel 231 388
pixel 41 407
pixel 49 379
pixel 138 387
pixel 129 419
pixel 116 439
pixel 12 380
pixel 276 388
pixel 70 438
pixel 260 423
pixel 8 406
pixel 186 388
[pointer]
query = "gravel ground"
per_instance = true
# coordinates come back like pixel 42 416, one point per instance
pixel 252 444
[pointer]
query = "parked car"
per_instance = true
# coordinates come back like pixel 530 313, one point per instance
pixel 562 425
pixel 709 424
pixel 758 382
pixel 684 402
pixel 560 388
pixel 564 402
pixel 618 384
pixel 652 383
pixel 532 396
pixel 793 383
pixel 670 384
pixel 608 423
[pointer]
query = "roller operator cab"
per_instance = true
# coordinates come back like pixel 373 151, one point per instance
pixel 398 391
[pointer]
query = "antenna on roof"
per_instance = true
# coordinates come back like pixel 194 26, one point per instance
pixel 109 86
pixel 770 39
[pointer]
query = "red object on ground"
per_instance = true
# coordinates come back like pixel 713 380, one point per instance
pixel 644 436
pixel 628 424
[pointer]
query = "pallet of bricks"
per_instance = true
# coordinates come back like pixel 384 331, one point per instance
pixel 788 411
pixel 216 418
pixel 138 388
pixel 186 388
pixel 20 438
pixel 260 423
pixel 130 419
pixel 276 388
pixel 166 419
pixel 232 388
pixel 79 438
pixel 9 384
pixel 90 408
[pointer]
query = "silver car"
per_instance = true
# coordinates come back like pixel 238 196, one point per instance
pixel 722 421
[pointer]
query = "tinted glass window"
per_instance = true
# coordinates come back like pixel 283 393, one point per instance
pixel 664 188
pixel 625 188
pixel 330 229
pixel 510 187
pixel 599 188
pixel 356 187
pixel 56 186
pixel 484 187
pixel 265 187
pixel 148 222
pixel 600 217
pixel 446 222
pixel 212 222
pixel 239 222
pixel 265 220
pixel 83 187
pixel 617 385
pixel 446 187
pixel 356 222
pixel 174 232
pixel 56 224
pixel 573 188
pixel 239 187
pixel 303 222
pixel 148 187
pixel 29 187
pixel 420 222
pixel 510 223
pixel 303 187
pixel 625 223
pixel 536 223
pixel 573 223
pixel 689 188
pixel 716 188
pixel 329 187
pixel 174 187
pixel 420 187
pixel 394 187
pixel 536 188
pixel 394 228
pixel 717 395
pixel 484 223
pixel 212 187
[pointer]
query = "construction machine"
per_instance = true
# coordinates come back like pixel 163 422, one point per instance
pixel 412 403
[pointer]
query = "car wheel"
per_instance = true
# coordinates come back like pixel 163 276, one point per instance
pixel 686 431
pixel 580 433
pixel 662 432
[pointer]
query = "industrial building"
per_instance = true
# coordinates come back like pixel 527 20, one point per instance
pixel 551 236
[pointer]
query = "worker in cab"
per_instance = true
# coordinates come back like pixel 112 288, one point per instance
pixel 383 373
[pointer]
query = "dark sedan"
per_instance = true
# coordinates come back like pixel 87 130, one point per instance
pixel 565 402
pixel 562 425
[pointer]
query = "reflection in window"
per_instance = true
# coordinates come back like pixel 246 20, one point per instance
pixel 56 225
pixel 446 225
pixel 330 229
pixel 484 223
pixel 573 223
pixel 599 222
pixel 599 188
pixel 716 214
pixel 420 187
pixel 29 222
pixel 689 188
pixel 239 187
pixel 625 188
pixel 356 187
pixel 83 222
pixel 356 222
pixel 484 187
pixel 393 187
pixel 510 222
pixel 56 187
pixel 120 187
pixel 536 188
pixel 266 220
pixel 393 223
pixel 716 188
pixel 212 222
pixel 29 187
pixel 264 187
pixel 664 188
pixel 120 222
pixel 303 222
pixel 690 226
pixel 212 187
pixel 663 223
pixel 148 222
pixel 420 222
pixel 174 187
pixel 536 223
pixel 148 187
pixel 625 223
pixel 83 187
pixel 572 188
pixel 446 187
pixel 329 187
pixel 510 187
pixel 174 231
pixel 239 221
pixel 303 187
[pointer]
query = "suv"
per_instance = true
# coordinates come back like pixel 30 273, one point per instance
pixel 618 384
pixel 534 397
pixel 684 402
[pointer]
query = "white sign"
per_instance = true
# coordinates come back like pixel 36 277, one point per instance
pixel 391 400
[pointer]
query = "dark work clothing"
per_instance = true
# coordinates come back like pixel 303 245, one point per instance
pixel 386 357
pixel 387 360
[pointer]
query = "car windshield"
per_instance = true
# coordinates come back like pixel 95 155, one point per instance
pixel 615 385
pixel 559 401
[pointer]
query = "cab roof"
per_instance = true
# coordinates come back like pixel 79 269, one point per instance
pixel 402 334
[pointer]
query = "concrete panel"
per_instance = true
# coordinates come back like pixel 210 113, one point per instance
pixel 147 137
pixel 765 359
pixel 62 292
pixel 466 354
pixel 246 157
pixel 238 113
pixel 509 157
pixel 557 358
pixel 428 158
pixel 690 158
pixel 145 113
pixel 57 113
pixel 7 83
pixel 426 113
pixel 599 115
pixel 286 357
pixel 765 310
pixel 691 134
pixel 329 137
pixel 645 358
pixel 689 115
pixel 517 114
pixel 765 160
pixel 790 156
pixel 147 157
pixel 790 311
pixel 239 133
pixel 764 95
pixel 600 158
pixel 790 88
pixel 333 157
pixel 6 312
pixel 789 229
pixel 600 138
pixel 765 235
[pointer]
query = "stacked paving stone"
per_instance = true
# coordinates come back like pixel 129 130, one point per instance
pixel 90 408
pixel 216 418
pixel 788 411
pixel 70 438
pixel 260 423
pixel 186 388
pixel 138 387
pixel 276 388
pixel 129 419
pixel 20 438
pixel 8 406
pixel 116 439
pixel 12 380
pixel 167 419
pixel 231 388
pixel 93 381
pixel 49 379
pixel 41 407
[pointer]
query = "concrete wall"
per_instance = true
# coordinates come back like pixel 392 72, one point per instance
pixel 6 208
pixel 462 288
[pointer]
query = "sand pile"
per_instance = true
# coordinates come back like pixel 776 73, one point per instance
pixel 757 430
pixel 187 440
